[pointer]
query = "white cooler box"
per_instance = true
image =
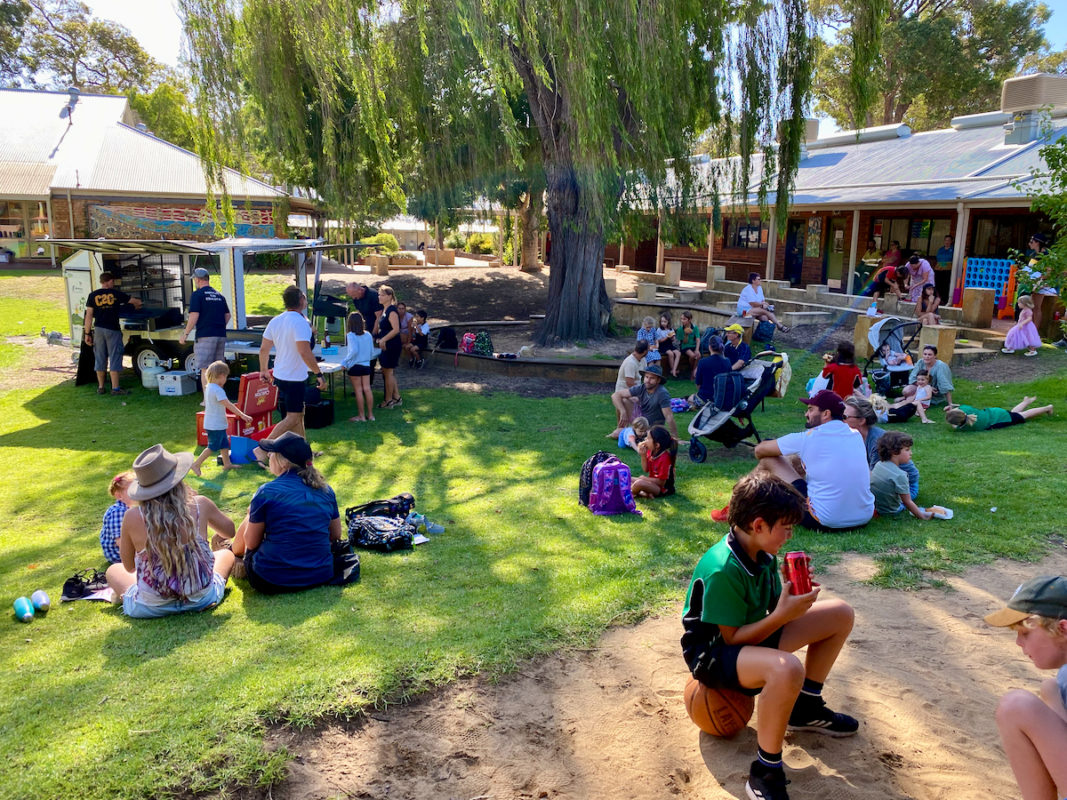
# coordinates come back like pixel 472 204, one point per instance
pixel 177 383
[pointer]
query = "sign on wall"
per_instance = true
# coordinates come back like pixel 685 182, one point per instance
pixel 814 238
pixel 173 222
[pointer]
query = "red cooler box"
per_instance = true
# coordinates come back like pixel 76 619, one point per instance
pixel 235 426
pixel 255 397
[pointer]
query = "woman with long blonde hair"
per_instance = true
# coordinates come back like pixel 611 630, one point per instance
pixel 389 342
pixel 167 564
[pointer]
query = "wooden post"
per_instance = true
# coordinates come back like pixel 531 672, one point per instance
pixel 853 253
pixel 978 307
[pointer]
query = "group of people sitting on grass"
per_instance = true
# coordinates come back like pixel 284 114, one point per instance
pixel 157 532
pixel 744 620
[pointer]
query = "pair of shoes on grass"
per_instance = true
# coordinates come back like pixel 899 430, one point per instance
pixel 721 514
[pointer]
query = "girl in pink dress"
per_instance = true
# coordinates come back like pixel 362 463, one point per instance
pixel 1024 334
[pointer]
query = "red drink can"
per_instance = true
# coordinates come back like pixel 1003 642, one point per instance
pixel 798 572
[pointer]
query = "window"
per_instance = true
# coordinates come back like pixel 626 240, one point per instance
pixel 920 235
pixel 747 234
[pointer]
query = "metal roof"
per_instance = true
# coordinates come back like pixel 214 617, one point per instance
pixel 25 181
pixel 157 246
pixel 91 147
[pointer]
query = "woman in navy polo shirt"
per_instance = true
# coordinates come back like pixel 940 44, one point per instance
pixel 285 539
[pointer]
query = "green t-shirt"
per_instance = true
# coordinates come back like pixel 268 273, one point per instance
pixel 986 417
pixel 888 483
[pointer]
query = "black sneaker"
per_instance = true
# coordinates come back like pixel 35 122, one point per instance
pixel 411 363
pixel 766 783
pixel 1062 344
pixel 811 714
pixel 420 363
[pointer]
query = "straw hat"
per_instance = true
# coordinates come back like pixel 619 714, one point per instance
pixel 157 471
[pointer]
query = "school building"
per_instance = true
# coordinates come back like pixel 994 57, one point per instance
pixel 970 181
pixel 76 165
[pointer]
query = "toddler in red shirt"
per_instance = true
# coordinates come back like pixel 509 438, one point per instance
pixel 658 452
pixel 842 371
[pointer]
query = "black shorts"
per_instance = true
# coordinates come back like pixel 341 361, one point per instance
pixel 1016 419
pixel 262 585
pixel 667 345
pixel 902 414
pixel 723 668
pixel 291 395
pixel 809 520
pixel 390 355
pixel 421 341
pixel 356 370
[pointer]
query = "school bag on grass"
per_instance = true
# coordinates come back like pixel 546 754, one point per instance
pixel 585 478
pixel 763 332
pixel 384 534
pixel 611 489
pixel 398 507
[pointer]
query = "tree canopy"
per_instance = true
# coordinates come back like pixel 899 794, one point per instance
pixel 938 58
pixel 610 96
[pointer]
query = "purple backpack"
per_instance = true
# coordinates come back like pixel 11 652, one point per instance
pixel 611 489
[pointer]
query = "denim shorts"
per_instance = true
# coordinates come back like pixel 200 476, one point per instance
pixel 218 440
pixel 107 349
pixel 133 607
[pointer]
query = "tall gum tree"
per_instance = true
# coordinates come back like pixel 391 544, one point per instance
pixel 615 94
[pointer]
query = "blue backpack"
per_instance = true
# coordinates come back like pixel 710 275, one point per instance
pixel 610 493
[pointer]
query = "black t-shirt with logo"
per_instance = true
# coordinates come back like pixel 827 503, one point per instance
pixel 105 304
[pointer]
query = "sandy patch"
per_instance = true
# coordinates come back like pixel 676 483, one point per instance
pixel 922 672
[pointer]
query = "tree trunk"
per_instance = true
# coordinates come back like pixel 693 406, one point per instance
pixel 578 303
pixel 529 231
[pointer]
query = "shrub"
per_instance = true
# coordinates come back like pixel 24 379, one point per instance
pixel 454 240
pixel 480 243
pixel 386 241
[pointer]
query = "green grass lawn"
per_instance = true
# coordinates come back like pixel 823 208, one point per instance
pixel 149 708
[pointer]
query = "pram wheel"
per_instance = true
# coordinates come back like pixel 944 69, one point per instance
pixel 698 453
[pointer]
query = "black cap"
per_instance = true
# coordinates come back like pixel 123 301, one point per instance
pixel 291 446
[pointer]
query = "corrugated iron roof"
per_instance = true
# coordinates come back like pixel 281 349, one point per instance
pixel 25 181
pixel 91 147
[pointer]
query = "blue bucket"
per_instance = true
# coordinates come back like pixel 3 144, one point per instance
pixel 241 448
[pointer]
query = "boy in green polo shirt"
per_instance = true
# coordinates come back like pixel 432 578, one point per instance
pixel 741 627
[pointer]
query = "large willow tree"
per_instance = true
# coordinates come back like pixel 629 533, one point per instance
pixel 611 95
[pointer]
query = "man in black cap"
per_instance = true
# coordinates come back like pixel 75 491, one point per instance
pixel 836 479
pixel 209 314
pixel 652 399
pixel 1034 729
pixel 103 331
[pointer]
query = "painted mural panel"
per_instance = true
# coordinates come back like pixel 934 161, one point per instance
pixel 173 222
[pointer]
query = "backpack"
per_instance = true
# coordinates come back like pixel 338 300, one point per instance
pixel 729 388
pixel 397 507
pixel 705 340
pixel 611 489
pixel 384 534
pixel 585 479
pixel 763 332
pixel 446 339
pixel 483 344
pixel 466 344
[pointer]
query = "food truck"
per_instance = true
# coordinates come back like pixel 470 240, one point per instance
pixel 160 273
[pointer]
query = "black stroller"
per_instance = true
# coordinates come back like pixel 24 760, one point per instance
pixel 767 374
pixel 888 372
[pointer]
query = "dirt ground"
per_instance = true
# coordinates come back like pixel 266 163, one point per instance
pixel 921 671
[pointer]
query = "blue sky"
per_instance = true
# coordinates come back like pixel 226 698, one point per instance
pixel 156 25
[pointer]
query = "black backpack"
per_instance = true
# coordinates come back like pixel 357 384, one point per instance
pixel 446 339
pixel 397 507
pixel 764 331
pixel 729 388
pixel 585 480
pixel 705 340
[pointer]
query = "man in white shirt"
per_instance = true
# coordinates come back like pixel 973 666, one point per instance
pixel 289 334
pixel 837 480
pixel 629 375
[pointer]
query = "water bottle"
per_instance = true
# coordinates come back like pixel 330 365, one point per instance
pixel 24 609
pixel 41 601
pixel 326 340
pixel 872 311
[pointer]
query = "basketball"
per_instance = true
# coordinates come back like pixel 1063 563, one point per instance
pixel 719 712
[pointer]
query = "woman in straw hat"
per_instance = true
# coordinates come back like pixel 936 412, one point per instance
pixel 285 540
pixel 167 564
